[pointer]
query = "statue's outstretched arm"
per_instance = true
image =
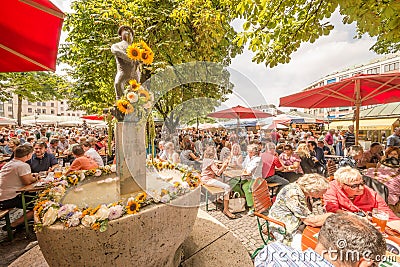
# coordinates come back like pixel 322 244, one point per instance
pixel 120 54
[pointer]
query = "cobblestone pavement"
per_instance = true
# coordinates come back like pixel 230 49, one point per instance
pixel 244 228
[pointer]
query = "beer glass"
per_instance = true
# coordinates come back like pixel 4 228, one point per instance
pixel 380 217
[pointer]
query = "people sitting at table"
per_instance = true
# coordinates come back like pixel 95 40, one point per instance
pixel 295 207
pixel 42 160
pixel 237 158
pixel 270 163
pixel 340 236
pixel 209 172
pixel 187 156
pixel 321 144
pixel 387 172
pixel 353 158
pixel 250 165
pixel 172 155
pixel 348 192
pixel 291 164
pixel 81 162
pixel 53 146
pixel 307 162
pixel 225 151
pixel 372 155
pixel 90 152
pixel 13 176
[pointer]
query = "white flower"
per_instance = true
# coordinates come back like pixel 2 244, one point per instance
pixel 115 212
pixel 88 220
pixel 97 173
pixel 132 97
pixel 50 216
pixel 113 168
pixel 165 198
pixel 82 176
pixel 65 210
pixel 74 220
pixel 147 105
pixel 102 213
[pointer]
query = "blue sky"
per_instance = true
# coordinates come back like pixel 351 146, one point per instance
pixel 255 84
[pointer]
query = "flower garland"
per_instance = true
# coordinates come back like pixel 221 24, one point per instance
pixel 49 210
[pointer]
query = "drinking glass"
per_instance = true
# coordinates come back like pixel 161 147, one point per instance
pixel 57 173
pixel 380 217
pixel 60 162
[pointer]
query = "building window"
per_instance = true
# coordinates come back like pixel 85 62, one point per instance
pixel 343 108
pixel 356 73
pixel 9 101
pixel 52 105
pixel 29 110
pixel 43 111
pixel 343 77
pixel 52 111
pixel 10 109
pixel 373 71
pixel 391 67
pixel 29 103
pixel 38 104
pixel 43 104
pixel 62 109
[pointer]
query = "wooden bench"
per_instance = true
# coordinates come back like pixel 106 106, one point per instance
pixel 212 190
pixel 6 215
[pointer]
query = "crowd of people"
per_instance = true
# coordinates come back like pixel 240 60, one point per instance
pixel 28 154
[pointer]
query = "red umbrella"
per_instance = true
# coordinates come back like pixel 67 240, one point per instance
pixel 239 112
pixel 355 91
pixel 93 117
pixel 30 32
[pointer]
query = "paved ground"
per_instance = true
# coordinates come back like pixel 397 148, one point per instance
pixel 244 228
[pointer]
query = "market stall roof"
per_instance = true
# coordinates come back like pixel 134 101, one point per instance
pixel 366 124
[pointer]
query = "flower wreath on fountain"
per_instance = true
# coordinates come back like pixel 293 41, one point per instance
pixel 49 210
pixel 137 99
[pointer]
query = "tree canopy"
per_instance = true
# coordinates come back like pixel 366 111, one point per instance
pixel 274 29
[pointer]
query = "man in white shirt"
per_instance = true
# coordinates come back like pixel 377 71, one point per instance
pixel 250 165
pixel 92 153
pixel 14 175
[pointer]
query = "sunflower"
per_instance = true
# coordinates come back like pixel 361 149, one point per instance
pixel 134 52
pixel 147 57
pixel 134 85
pixel 141 197
pixel 132 207
pixel 144 94
pixel 124 106
pixel 159 165
pixel 96 226
pixel 145 46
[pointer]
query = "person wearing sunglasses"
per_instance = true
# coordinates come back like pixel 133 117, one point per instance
pixel 348 193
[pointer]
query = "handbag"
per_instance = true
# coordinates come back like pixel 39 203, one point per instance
pixel 237 203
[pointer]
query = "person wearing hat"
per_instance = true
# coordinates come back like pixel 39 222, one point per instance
pixel 127 69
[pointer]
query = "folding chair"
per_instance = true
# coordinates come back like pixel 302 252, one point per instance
pixel 262 203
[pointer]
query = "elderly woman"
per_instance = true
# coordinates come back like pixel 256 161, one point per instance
pixel 349 193
pixel 209 171
pixel 170 153
pixel 296 208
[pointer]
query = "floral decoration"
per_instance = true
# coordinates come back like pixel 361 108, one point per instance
pixel 49 210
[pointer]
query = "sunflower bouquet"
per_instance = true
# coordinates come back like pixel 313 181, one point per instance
pixel 136 100
pixel 140 52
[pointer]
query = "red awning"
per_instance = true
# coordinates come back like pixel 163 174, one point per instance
pixel 93 117
pixel 239 112
pixel 374 89
pixel 29 35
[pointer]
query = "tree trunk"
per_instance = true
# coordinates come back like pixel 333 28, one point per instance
pixel 19 110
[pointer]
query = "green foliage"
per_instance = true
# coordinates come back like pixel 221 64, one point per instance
pixel 178 31
pixel 32 86
pixel 275 29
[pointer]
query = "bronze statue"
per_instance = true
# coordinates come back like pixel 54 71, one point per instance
pixel 127 69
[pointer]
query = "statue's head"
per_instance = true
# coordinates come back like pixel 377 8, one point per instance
pixel 126 33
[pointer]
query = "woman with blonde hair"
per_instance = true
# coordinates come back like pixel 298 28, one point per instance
pixel 307 162
pixel 236 156
pixel 295 207
pixel 171 155
pixel 210 170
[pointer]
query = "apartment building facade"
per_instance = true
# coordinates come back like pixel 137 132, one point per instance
pixel 9 108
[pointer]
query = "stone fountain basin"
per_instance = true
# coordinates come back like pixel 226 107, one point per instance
pixel 149 238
